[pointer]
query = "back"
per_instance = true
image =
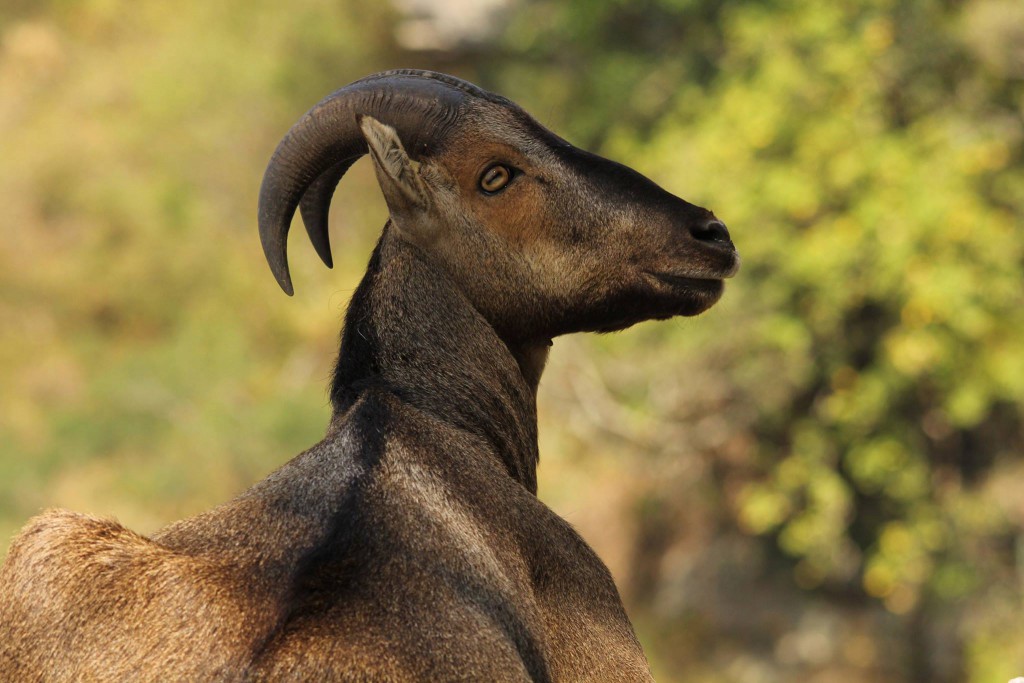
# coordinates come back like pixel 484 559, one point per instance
pixel 425 571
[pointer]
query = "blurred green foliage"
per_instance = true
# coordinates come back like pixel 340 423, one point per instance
pixel 820 479
pixel 866 369
pixel 140 351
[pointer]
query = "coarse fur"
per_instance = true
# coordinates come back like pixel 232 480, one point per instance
pixel 409 543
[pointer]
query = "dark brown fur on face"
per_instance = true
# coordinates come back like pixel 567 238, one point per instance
pixel 409 544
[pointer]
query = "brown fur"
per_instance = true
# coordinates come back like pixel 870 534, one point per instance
pixel 409 544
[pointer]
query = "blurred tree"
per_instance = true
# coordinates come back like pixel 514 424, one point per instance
pixel 142 375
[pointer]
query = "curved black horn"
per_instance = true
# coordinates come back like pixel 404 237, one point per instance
pixel 308 163
pixel 316 204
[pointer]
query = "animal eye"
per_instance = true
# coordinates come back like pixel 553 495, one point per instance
pixel 495 178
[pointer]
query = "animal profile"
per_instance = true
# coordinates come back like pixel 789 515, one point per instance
pixel 409 544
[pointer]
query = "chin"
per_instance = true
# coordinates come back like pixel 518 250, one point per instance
pixel 700 299
pixel 629 308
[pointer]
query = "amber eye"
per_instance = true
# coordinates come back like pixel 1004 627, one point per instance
pixel 495 178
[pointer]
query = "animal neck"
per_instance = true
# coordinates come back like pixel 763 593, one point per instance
pixel 410 331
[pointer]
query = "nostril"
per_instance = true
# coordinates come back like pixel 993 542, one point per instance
pixel 712 231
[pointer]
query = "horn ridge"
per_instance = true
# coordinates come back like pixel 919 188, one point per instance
pixel 313 156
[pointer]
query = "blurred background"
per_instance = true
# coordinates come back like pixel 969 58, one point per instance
pixel 821 479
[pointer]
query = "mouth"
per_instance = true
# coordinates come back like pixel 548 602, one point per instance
pixel 705 282
pixel 700 284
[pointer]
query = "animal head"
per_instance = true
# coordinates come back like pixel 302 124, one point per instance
pixel 543 238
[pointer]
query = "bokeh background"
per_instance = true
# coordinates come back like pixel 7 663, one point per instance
pixel 821 479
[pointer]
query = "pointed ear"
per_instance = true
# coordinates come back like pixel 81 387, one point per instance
pixel 399 177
